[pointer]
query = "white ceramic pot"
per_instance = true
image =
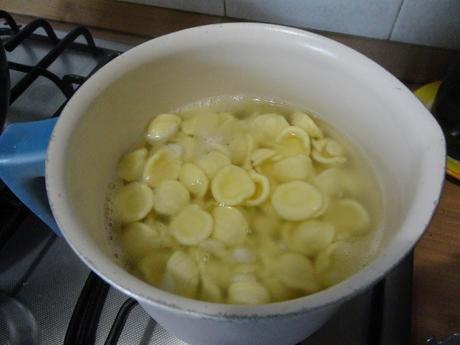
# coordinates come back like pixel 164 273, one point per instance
pixel 398 135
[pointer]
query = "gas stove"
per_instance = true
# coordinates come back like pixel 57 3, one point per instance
pixel 48 296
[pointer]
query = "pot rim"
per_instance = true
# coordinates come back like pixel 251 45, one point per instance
pixel 418 216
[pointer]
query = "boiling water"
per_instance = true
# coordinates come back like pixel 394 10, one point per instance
pixel 282 255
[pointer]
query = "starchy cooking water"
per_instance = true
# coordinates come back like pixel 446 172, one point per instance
pixel 244 201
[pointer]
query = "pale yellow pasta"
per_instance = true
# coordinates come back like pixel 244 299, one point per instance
pixel 296 200
pixel 230 227
pixel 189 146
pixel 164 165
pixel 329 181
pixel 292 141
pixel 194 179
pixel 138 239
pixel 192 225
pixel 203 124
pixel 241 146
pixel 259 156
pixel 261 224
pixel 248 292
pixel 131 165
pixel 266 127
pixel 279 291
pixel 297 167
pixel 296 271
pixel 162 128
pixel 252 206
pixel 328 152
pixel 183 274
pixel 311 237
pixel 244 255
pixel 232 185
pixel 212 162
pixel 304 121
pixel 349 217
pixel 170 197
pixel 210 290
pixel 153 266
pixel 262 189
pixel 132 202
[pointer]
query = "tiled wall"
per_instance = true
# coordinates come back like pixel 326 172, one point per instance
pixel 426 22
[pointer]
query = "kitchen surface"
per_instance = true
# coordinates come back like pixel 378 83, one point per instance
pixel 436 261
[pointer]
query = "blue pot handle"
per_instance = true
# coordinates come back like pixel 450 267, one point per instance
pixel 22 165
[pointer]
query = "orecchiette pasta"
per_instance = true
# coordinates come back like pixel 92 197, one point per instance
pixel 293 168
pixel 296 271
pixel 131 165
pixel 192 225
pixel 132 202
pixel 232 185
pixel 304 121
pixel 162 127
pixel 262 189
pixel 248 292
pixel 194 179
pixel 183 273
pixel 296 200
pixel 212 162
pixel 292 141
pixel 163 165
pixel 230 227
pixel 170 197
pixel 252 206
pixel 138 239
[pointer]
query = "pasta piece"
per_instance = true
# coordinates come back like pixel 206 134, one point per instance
pixel 266 127
pixel 212 162
pixel 189 147
pixel 246 268
pixel 262 189
pixel 230 227
pixel 204 124
pixel 248 292
pixel 337 262
pixel 311 237
pixel 259 156
pixel 329 181
pixel 183 273
pixel 240 148
pixel 305 122
pixel 292 141
pixel 293 168
pixel 232 185
pixel 296 200
pixel 131 165
pixel 170 197
pixel 162 128
pixel 163 165
pixel 244 255
pixel 210 290
pixel 330 154
pixel 279 291
pixel 264 225
pixel 153 266
pixel 194 179
pixel 132 202
pixel 192 225
pixel 349 217
pixel 138 239
pixel 296 271
pixel 218 271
